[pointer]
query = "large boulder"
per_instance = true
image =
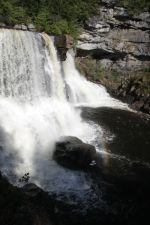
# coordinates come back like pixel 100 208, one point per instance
pixel 72 152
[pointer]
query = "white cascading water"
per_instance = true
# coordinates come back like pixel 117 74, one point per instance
pixel 85 93
pixel 37 102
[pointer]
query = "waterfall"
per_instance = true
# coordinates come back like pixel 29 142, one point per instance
pixel 38 99
pixel 85 93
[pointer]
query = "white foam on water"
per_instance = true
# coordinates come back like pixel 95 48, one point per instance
pixel 85 93
pixel 38 102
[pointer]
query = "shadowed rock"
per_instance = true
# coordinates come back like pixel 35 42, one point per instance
pixel 63 43
pixel 72 152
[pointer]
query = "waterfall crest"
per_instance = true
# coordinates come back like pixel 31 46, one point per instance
pixel 37 100
pixel 21 65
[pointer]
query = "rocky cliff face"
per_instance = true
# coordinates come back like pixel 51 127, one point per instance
pixel 28 27
pixel 63 43
pixel 120 41
pixel 114 49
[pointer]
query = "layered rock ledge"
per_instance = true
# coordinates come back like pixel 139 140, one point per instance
pixel 28 27
pixel 119 40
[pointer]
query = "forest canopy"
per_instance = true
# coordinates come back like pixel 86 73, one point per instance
pixel 57 16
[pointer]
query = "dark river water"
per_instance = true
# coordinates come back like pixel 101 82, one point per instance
pixel 116 190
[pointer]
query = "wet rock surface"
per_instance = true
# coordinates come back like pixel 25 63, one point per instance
pixel 63 43
pixel 72 152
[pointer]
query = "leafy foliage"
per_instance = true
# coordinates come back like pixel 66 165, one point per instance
pixel 136 6
pixel 57 16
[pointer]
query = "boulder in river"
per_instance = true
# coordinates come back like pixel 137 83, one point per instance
pixel 72 152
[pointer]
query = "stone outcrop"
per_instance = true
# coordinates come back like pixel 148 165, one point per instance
pixel 133 90
pixel 28 27
pixel 31 27
pixel 120 41
pixel 63 43
pixel 27 206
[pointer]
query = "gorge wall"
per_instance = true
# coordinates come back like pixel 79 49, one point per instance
pixel 120 41
pixel 114 50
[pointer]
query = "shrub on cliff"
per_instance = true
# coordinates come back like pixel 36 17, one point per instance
pixel 12 14
pixel 59 16
pixel 136 6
